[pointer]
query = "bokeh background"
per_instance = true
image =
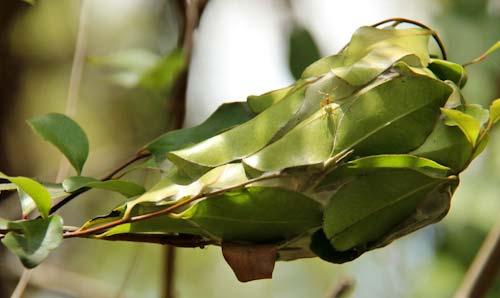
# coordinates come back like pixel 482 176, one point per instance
pixel 241 48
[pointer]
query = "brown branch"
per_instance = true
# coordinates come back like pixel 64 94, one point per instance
pixel 181 240
pixel 484 269
pixel 342 289
pixel 165 211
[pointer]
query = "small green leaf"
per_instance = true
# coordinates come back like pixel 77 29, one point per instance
pixel 64 133
pixel 493 48
pixel 469 125
pixel 35 239
pixel 225 117
pixel 256 214
pixel 446 70
pixel 27 202
pixel 495 111
pixel 34 190
pixel 302 50
pixel 126 188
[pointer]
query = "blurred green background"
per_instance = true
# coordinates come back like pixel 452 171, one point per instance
pixel 242 47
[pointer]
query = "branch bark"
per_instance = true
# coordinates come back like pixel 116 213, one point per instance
pixel 484 269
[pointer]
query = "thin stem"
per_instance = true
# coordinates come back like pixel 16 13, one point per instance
pixel 22 284
pixel 169 268
pixel 436 37
pixel 484 269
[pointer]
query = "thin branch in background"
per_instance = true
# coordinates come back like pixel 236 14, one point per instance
pixel 71 102
pixel 75 78
pixel 22 284
pixel 342 289
pixel 169 272
pixel 131 266
pixel 484 269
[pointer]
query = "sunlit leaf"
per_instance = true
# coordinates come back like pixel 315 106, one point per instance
pixel 36 191
pixel 33 240
pixel 64 133
pixel 258 103
pixel 469 125
pixel 126 188
pixel 495 111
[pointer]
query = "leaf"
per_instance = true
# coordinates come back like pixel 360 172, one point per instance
pixel 226 116
pixel 446 70
pixel 27 202
pixel 256 214
pixel 480 146
pixel 385 118
pixel 38 238
pixel 250 262
pixel 258 103
pixel 126 188
pixel 322 247
pixel 469 125
pixel 64 133
pixel 239 141
pixel 35 190
pixel 446 145
pixel 371 51
pixel 495 111
pixel 7 186
pixel 370 205
pixel 302 50
pixel 161 77
pixel 477 111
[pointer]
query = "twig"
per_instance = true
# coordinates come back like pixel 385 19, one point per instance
pixel 71 101
pixel 167 210
pixel 485 267
pixel 181 240
pixel 169 272
pixel 343 288
pixel 22 284
pixel 130 270
pixel 436 37
pixel 75 78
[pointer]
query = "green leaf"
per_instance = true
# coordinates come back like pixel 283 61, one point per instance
pixel 469 125
pixel 258 103
pixel 239 141
pixel 161 77
pixel 495 111
pixel 226 116
pixel 446 145
pixel 256 214
pixel 126 188
pixel 385 118
pixel 7 186
pixel 322 247
pixel 37 192
pixel 302 51
pixel 37 238
pixel 27 202
pixel 64 133
pixel 371 51
pixel 357 215
pixel 446 70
